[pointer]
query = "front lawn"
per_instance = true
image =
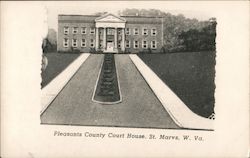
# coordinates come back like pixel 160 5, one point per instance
pixel 57 62
pixel 190 75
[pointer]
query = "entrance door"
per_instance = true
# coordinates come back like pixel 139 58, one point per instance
pixel 110 46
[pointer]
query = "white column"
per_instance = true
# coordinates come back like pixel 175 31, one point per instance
pixel 97 38
pixel 115 38
pixel 123 39
pixel 104 38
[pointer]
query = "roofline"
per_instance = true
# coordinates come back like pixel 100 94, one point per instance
pixel 78 15
pixel 135 16
pixel 123 16
pixel 107 14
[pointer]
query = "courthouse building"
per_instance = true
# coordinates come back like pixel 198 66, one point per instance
pixel 109 33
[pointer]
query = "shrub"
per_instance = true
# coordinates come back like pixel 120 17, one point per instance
pixel 92 50
pixel 126 51
pixel 149 50
pixel 99 51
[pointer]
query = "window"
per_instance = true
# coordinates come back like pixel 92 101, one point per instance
pixel 92 30
pixel 119 44
pixel 110 31
pixel 83 43
pixel 144 44
pixel 145 31
pixel 153 32
pixel 84 30
pixel 127 44
pixel 74 42
pixel 100 44
pixel 75 30
pixel 92 43
pixel 153 45
pixel 66 30
pixel 119 32
pixel 136 31
pixel 127 31
pixel 66 42
pixel 136 44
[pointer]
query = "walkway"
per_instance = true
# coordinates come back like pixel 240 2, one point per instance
pixel 139 107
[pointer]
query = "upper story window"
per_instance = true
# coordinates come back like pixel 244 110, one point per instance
pixel 153 45
pixel 144 44
pixel 136 44
pixel 145 31
pixel 66 30
pixel 75 30
pixel 74 42
pixel 92 30
pixel 83 43
pixel 153 32
pixel 66 42
pixel 127 45
pixel 127 31
pixel 136 31
pixel 110 31
pixel 83 30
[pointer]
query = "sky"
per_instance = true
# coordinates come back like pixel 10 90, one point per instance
pixel 188 9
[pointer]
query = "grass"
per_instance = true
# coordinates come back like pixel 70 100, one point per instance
pixel 190 75
pixel 57 62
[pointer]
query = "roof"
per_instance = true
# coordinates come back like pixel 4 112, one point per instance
pixel 143 19
pixel 112 15
pixel 92 18
pixel 77 17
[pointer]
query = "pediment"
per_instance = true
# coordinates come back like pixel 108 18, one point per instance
pixel 110 18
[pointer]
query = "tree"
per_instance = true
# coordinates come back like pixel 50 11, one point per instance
pixel 50 42
pixel 200 40
pixel 181 33
pixel 52 36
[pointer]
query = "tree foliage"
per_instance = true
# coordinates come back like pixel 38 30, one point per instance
pixel 199 40
pixel 181 33
pixel 50 42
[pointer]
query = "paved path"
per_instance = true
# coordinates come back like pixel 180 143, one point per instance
pixel 139 108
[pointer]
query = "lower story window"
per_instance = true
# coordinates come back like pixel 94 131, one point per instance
pixel 66 42
pixel 74 42
pixel 144 44
pixel 119 44
pixel 92 43
pixel 153 45
pixel 83 43
pixel 127 44
pixel 136 44
pixel 100 44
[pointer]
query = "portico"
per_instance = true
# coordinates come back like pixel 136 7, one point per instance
pixel 110 30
